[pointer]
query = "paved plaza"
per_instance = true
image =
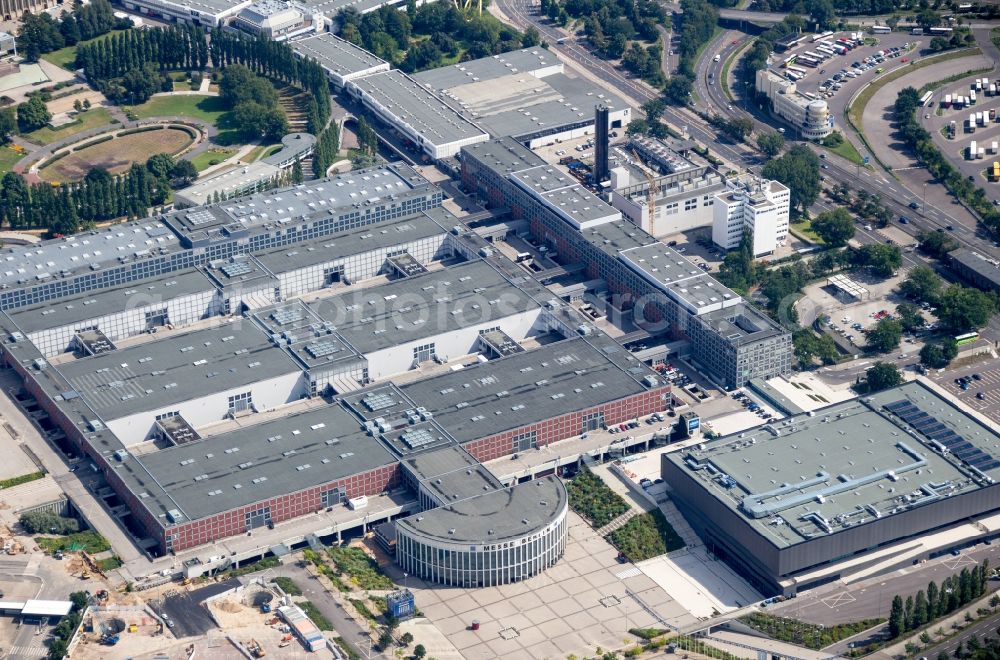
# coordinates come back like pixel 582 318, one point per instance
pixel 587 600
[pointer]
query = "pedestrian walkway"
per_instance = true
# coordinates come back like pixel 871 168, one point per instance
pixel 618 522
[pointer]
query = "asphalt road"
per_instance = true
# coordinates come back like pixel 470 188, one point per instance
pixel 983 629
pixel 872 598
pixel 355 635
pixel 184 609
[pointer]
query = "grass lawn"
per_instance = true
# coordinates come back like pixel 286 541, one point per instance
pixel 644 536
pixel 8 158
pixel 109 564
pixel 803 229
pixel 260 151
pixel 84 122
pixel 207 108
pixel 846 150
pixel 857 108
pixel 213 156
pixel 87 541
pixel 66 57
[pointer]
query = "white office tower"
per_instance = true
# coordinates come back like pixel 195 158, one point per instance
pixel 756 204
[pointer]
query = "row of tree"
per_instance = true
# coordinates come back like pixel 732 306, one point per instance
pixel 326 149
pixel 938 601
pixel 66 628
pixel 66 208
pixel 919 140
pixel 40 33
pixel 960 309
pixel 443 30
pixel 254 103
pixel 123 64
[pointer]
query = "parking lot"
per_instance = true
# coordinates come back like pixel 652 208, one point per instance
pixel 842 75
pixel 982 392
pixel 936 118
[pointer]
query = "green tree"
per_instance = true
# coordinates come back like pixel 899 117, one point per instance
pixel 419 651
pixel 385 640
pixel 897 621
pixel 883 375
pixel 909 316
pixel 798 169
pixel 923 285
pixel 297 175
pixel 678 89
pixel 936 244
pixel 48 523
pixel 932 601
pixel 920 616
pixel 160 165
pixel 33 114
pixel 239 84
pixel 183 173
pixel 771 143
pixel 962 309
pixel 884 336
pixel 406 639
pixel 8 125
pixel 879 258
pixel 835 227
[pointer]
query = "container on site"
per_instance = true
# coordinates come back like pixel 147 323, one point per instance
pixel 981 153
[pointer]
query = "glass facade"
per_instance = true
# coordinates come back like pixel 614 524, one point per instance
pixel 487 564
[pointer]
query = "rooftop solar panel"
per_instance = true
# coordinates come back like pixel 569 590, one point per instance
pixel 992 465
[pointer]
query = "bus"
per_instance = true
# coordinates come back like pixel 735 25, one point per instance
pixel 967 338
pixel 881 29
pixel 808 61
pixel 814 55
pixel 925 99
pixel 798 69
pixel 788 60
pixel 940 31
pixel 794 76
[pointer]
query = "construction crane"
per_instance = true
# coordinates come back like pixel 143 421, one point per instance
pixel 654 188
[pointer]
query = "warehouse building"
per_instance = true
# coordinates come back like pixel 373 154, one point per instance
pixel 659 288
pixel 977 269
pixel 207 13
pixel 524 94
pixel 854 478
pixel 283 406
pixel 420 116
pixel 342 60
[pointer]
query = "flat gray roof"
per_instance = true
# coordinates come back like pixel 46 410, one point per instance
pixel 849 464
pixel 982 265
pixel 150 292
pixel 376 318
pixel 338 56
pixel 741 323
pixel 522 92
pixel 242 269
pixel 274 208
pixel 25 265
pixel 451 474
pixel 330 8
pixel 613 237
pixel 414 104
pixel 529 387
pixel 254 463
pixel 356 241
pixel 494 517
pixel 504 155
pixel 525 61
pixel 174 369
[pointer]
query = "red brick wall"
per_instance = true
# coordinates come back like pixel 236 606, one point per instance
pixel 566 426
pixel 284 507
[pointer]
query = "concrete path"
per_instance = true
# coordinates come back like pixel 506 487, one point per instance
pixel 228 163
